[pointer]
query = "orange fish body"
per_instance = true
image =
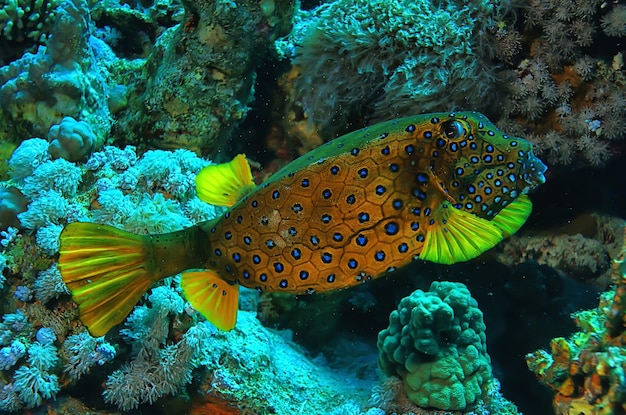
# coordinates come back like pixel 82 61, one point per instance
pixel 439 187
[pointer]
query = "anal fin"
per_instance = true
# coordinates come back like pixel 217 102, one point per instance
pixel 211 296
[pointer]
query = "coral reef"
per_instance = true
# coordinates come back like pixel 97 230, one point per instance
pixel 77 76
pixel 203 72
pixel 551 72
pixel 115 186
pixel 564 91
pixel 594 238
pixel 59 80
pixel 586 371
pixel 436 343
pixel 380 59
pixel 44 351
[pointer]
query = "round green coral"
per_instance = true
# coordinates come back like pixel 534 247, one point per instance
pixel 436 343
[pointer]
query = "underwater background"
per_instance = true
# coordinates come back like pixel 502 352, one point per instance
pixel 109 109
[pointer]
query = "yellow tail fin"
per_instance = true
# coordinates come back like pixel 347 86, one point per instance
pixel 214 298
pixel 106 269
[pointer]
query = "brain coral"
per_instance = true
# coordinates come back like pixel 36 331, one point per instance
pixel 382 59
pixel 436 343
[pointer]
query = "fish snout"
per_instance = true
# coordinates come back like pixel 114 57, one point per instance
pixel 533 171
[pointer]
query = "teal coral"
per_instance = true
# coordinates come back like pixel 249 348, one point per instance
pixel 436 343
pixel 33 383
pixel 381 59
pixel 72 140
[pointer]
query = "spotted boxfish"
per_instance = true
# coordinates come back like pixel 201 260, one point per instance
pixel 437 187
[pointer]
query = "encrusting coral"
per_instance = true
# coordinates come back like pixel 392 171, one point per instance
pixel 59 80
pixel 436 343
pixel 203 72
pixel 587 370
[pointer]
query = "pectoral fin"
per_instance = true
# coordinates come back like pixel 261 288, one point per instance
pixel 457 236
pixel 513 216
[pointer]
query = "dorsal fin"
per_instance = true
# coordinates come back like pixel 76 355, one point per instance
pixel 224 184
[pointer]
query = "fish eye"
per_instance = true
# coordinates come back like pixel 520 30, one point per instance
pixel 453 129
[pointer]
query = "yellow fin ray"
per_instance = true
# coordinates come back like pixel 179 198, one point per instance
pixel 513 216
pixel 224 184
pixel 211 296
pixel 105 270
pixel 458 236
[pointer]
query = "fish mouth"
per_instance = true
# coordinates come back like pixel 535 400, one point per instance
pixel 533 171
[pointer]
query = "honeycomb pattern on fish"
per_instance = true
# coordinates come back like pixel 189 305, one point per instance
pixel 362 205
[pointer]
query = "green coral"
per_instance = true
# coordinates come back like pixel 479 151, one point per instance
pixel 436 343
pixel 22 19
pixel 380 59
pixel 24 23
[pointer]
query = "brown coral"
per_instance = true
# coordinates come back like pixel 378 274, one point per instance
pixel 587 371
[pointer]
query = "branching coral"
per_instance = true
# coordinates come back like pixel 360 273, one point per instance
pixel 24 23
